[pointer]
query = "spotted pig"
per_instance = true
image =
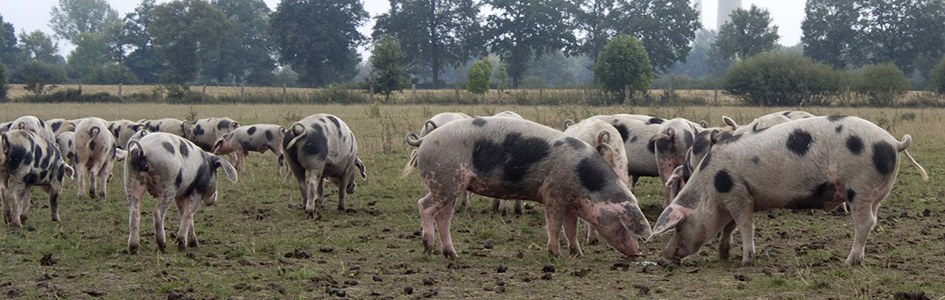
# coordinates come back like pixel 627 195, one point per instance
pixel 253 138
pixel 66 143
pixel 519 159
pixel 59 126
pixel 813 163
pixel 122 130
pixel 437 120
pixel 173 170
pixel 95 149
pixel 28 160
pixel 168 125
pixel 320 147
pixel 205 132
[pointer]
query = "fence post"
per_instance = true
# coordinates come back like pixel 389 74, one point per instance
pixel 413 88
pixel 716 92
pixel 626 94
pixel 371 92
pixel 119 90
pixel 283 93
pixel 203 90
pixel 242 95
pixel 456 93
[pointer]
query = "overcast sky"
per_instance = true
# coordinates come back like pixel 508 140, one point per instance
pixel 30 15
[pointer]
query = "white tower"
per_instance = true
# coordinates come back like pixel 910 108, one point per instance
pixel 726 7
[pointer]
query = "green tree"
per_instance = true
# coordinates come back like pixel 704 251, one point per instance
pixel 73 17
pixel 38 46
pixel 245 52
pixel 665 27
pixel 3 83
pixel 881 83
pixel 389 73
pixel 319 39
pixel 902 31
pixel 143 60
pixel 526 29
pixel 182 29
pixel 503 76
pixel 91 52
pixel 433 33
pixel 10 54
pixel 479 75
pixel 938 77
pixel 782 79
pixel 830 31
pixel 748 33
pixel 623 67
pixel 37 74
pixel 698 63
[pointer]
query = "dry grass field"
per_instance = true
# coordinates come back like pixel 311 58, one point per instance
pixel 256 242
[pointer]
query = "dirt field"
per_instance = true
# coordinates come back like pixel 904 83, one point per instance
pixel 256 242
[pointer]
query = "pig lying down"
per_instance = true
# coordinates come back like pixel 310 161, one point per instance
pixel 519 159
pixel 813 163
pixel 172 169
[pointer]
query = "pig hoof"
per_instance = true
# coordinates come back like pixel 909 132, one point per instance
pixel 451 254
pixel 133 249
pixel 55 218
pixel 192 243
pixel 23 219
pixel 747 263
pixel 181 245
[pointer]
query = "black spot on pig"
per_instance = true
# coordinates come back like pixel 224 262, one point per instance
pixel 116 132
pixel 202 179
pixel 594 173
pixel 884 157
pixel 723 181
pixel 315 144
pixel 269 136
pixel 651 146
pixel 179 179
pixel 575 143
pixel 335 121
pixel 850 195
pixel 755 160
pixel 168 146
pixel 139 162
pixel 835 118
pixel 799 142
pixel 664 145
pixel 61 173
pixel 516 155
pixel 855 144
pixel 702 142
pixel 479 122
pixel 92 145
pixel 55 126
pixel 30 179
pixel 623 130
pixel 839 128
pixel 37 155
pixel 45 163
pixel 787 114
pixel 42 124
pixel 689 139
pixel 198 131
pixel 251 130
pixel 654 121
pixel 821 195
pixel 223 124
pixel 184 149
pixel 17 156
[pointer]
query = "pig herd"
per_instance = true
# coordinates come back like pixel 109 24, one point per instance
pixel 714 178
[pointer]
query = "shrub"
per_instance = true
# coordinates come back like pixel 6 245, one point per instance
pixel 623 63
pixel 780 79
pixel 72 96
pixel 3 83
pixel 36 75
pixel 938 77
pixel 479 75
pixel 881 83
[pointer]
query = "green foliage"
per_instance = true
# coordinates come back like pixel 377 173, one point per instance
pixel 665 27
pixel 528 29
pixel 938 77
pixel 623 63
pixel 328 54
pixel 71 96
pixel 748 33
pixel 3 83
pixel 479 75
pixel 38 46
pixel 434 34
pixel 830 34
pixel 503 76
pixel 779 79
pixel 180 31
pixel 9 52
pixel 110 74
pixel 36 75
pixel 244 55
pixel 389 73
pixel 71 18
pixel 90 53
pixel 881 83
pixel 144 60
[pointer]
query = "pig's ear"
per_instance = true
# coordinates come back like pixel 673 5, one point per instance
pixel 730 122
pixel 704 124
pixel 671 216
pixel 226 166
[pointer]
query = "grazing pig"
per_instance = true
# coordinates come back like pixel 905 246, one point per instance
pixel 437 120
pixel 813 163
pixel 519 159
pixel 59 126
pixel 35 125
pixel 168 125
pixel 27 160
pixel 122 130
pixel 256 138
pixel 320 147
pixel 206 132
pixel 173 170
pixel 637 133
pixel 606 140
pixel 497 207
pixel 673 140
pixel 761 123
pixel 95 149
pixel 66 143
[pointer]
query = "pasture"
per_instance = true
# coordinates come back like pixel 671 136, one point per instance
pixel 257 243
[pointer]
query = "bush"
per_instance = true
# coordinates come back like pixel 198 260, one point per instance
pixel 881 83
pixel 72 96
pixel 479 75
pixel 36 75
pixel 624 63
pixel 110 74
pixel 3 83
pixel 938 77
pixel 780 79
